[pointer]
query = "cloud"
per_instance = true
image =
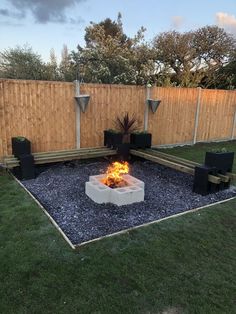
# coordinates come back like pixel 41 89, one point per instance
pixel 7 13
pixel 4 12
pixel 226 21
pixel 177 21
pixel 43 11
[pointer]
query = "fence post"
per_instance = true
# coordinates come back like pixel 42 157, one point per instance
pixel 197 115
pixel 77 110
pixel 148 93
pixel 234 125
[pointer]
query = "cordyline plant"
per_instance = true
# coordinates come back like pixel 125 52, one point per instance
pixel 127 125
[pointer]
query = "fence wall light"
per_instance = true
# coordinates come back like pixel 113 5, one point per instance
pixel 82 100
pixel 154 104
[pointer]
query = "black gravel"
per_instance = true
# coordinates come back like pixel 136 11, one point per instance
pixel 61 190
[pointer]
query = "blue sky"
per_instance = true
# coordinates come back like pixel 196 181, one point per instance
pixel 46 24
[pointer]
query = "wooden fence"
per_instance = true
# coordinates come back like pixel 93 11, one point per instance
pixel 175 121
pixel 45 112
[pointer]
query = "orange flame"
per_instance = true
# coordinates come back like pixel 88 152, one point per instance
pixel 114 174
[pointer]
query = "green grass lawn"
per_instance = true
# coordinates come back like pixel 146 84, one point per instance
pixel 182 265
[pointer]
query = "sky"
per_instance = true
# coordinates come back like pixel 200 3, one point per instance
pixel 47 24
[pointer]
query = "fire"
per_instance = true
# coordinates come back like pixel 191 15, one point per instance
pixel 114 174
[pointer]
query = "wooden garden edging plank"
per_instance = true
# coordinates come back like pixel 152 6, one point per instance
pixel 63 151
pixel 45 160
pixel 63 156
pixel 172 165
pixel 77 246
pixel 72 151
pixel 182 161
pixel 169 157
pixel 163 162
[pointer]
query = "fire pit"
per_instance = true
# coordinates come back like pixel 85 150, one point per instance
pixel 116 186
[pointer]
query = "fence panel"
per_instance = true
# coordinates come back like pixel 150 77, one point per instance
pixel 216 115
pixel 44 112
pixel 106 103
pixel 173 121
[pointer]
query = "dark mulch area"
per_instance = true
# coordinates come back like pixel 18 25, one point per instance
pixel 61 190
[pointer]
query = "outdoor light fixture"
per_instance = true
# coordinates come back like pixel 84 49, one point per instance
pixel 154 104
pixel 82 100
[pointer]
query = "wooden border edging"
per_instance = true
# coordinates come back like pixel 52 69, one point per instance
pixel 172 164
pixel 60 156
pixel 187 163
pixel 77 246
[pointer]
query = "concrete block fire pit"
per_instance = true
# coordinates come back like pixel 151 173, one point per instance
pixel 132 192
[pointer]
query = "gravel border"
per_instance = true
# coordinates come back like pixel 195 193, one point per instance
pixel 61 190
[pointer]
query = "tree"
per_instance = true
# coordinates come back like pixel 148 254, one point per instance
pixel 175 55
pixel 110 28
pixel 51 72
pixel 105 57
pixel 193 58
pixel 228 74
pixel 214 48
pixel 21 63
pixel 110 56
pixel 68 65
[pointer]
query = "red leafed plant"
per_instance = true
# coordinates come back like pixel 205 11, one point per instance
pixel 127 125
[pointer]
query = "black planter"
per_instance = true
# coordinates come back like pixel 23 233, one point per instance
pixel 20 146
pixel 116 140
pixel 26 170
pixel 112 139
pixel 27 167
pixel 123 151
pixel 223 162
pixel 141 140
pixel 201 185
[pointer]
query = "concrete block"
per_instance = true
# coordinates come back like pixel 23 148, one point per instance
pixel 100 193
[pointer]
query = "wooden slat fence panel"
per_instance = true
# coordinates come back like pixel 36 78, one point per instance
pixel 216 115
pixel 106 103
pixel 44 112
pixel 173 121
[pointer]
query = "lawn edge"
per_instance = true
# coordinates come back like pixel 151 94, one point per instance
pixel 77 246
pixel 46 213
